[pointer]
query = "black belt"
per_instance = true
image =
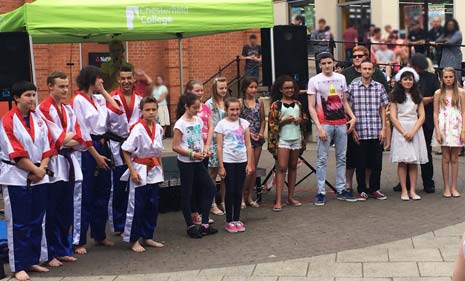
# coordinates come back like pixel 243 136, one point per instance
pixel 48 172
pixel 114 137
pixel 66 152
pixel 97 137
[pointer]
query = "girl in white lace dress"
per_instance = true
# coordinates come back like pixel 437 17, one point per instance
pixel 408 146
pixel 449 115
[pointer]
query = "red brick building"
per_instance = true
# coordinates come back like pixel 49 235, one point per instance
pixel 202 57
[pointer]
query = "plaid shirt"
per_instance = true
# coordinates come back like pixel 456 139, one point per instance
pixel 365 103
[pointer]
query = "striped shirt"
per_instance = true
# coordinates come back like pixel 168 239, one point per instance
pixel 365 102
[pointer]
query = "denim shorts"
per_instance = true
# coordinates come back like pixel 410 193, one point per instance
pixel 290 144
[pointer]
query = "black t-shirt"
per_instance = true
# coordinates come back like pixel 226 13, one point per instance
pixel 429 83
pixel 416 35
pixel 353 75
pixel 249 50
pixel 434 34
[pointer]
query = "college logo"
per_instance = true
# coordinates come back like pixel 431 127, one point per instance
pixel 131 12
pixel 137 16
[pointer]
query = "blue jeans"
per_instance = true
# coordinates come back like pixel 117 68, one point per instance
pixel 338 133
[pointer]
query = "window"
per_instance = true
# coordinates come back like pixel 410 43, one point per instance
pixel 413 9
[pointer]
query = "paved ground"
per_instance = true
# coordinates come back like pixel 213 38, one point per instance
pixel 301 233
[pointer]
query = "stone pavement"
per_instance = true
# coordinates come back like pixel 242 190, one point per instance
pixel 363 241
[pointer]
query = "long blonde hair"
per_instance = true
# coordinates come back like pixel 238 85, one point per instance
pixel 215 96
pixel 455 88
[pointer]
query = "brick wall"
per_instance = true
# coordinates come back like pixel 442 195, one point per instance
pixel 202 56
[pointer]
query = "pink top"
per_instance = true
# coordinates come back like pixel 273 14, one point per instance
pixel 204 113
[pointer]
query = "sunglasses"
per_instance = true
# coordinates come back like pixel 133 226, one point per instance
pixel 358 56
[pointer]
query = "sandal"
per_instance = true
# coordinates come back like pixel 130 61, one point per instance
pixel 214 210
pixel 253 204
pixel 294 202
pixel 277 209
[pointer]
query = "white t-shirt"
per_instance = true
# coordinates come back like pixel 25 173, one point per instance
pixel 191 137
pixel 158 91
pixel 234 149
pixel 329 91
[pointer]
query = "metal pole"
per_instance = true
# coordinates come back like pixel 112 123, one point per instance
pixel 127 51
pixel 425 18
pixel 80 56
pixel 238 76
pixel 181 68
pixel 33 66
pixel 273 71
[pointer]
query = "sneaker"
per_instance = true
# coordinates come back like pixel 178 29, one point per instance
pixel 210 221
pixel 208 230
pixel 194 232
pixel 345 196
pixel 378 195
pixel 196 219
pixel 230 227
pixel 239 226
pixel 362 197
pixel 320 200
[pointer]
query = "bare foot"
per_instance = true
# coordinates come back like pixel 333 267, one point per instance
pixel 22 276
pixel 55 263
pixel 153 243
pixel 38 268
pixel 80 250
pixel 105 242
pixel 137 247
pixel 67 259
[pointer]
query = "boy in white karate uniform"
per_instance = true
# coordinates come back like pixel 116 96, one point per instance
pixel 66 138
pixel 25 151
pixel 91 207
pixel 119 123
pixel 142 151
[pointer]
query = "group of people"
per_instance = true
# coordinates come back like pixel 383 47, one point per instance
pixel 97 160
pixel 441 43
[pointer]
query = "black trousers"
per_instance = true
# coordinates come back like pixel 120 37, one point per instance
pixel 369 155
pixel 194 180
pixel 234 183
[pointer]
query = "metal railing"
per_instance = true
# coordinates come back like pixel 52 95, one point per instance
pixel 368 45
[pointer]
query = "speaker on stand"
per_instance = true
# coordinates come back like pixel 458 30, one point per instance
pixel 15 62
pixel 284 52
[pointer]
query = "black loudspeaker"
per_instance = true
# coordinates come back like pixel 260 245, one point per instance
pixel 290 53
pixel 15 60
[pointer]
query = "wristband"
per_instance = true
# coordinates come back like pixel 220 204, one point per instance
pixel 189 153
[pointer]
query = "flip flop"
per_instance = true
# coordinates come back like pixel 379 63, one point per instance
pixel 276 209
pixel 295 203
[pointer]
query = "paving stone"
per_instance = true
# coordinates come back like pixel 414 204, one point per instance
pixel 306 279
pixel 453 230
pixel 281 269
pixel 393 269
pixel 142 277
pixel 245 270
pixel 363 255
pixel 363 279
pixel 404 244
pixel 251 278
pixel 434 242
pixel 449 253
pixel 331 258
pixel 196 278
pixel 414 255
pixel 40 278
pixel 422 279
pixel 436 269
pixel 319 269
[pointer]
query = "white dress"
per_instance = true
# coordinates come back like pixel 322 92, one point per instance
pixel 411 152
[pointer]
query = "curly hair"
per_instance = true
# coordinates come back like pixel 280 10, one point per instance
pixel 276 89
pixel 398 94
pixel 87 77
